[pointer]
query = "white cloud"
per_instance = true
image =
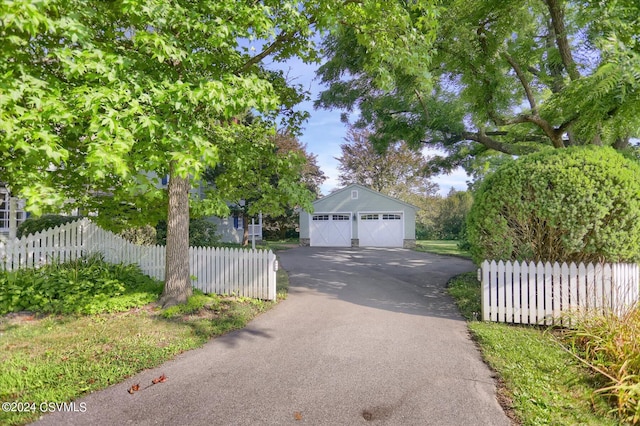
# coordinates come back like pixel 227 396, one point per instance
pixel 456 179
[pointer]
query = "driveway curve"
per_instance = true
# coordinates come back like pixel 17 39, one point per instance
pixel 366 336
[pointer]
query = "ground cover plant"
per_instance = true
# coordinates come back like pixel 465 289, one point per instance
pixel 541 376
pixel 83 286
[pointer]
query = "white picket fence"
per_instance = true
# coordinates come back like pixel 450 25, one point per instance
pixel 547 294
pixel 248 273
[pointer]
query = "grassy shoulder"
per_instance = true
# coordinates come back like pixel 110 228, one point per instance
pixel 61 357
pixel 541 382
pixel 446 247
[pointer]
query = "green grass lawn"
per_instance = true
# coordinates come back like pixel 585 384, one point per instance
pixel 265 245
pixel 447 247
pixel 59 358
pixel 540 381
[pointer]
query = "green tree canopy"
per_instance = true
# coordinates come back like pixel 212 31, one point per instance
pixel 99 99
pixel 256 176
pixel 511 77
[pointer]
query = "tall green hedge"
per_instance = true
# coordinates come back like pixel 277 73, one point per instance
pixel 577 204
pixel 38 224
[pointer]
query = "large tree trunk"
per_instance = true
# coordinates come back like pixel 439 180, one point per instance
pixel 245 233
pixel 177 285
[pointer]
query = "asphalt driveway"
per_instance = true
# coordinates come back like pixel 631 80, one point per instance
pixel 366 336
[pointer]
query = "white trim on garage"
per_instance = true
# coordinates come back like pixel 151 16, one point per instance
pixel 380 228
pixel 330 229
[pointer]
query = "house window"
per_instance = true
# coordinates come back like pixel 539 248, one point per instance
pixel 320 217
pixel 354 194
pixel 238 222
pixel 369 217
pixel 391 217
pixel 4 209
pixel 341 217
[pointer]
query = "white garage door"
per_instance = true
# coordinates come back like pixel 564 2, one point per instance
pixel 330 230
pixel 380 229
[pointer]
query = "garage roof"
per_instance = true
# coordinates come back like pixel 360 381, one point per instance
pixel 363 188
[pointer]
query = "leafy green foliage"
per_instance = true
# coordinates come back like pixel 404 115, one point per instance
pixel 202 233
pixel 577 204
pixel 143 235
pixel 538 377
pixel 396 171
pixel 466 291
pixel 510 77
pixel 194 304
pixel 285 225
pixel 610 344
pixel 85 286
pixel 452 213
pixel 33 225
pixel 258 176
pixel 99 93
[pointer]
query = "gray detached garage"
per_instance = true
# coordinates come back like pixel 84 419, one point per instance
pixel 356 216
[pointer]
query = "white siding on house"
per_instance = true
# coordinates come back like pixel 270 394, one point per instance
pixel 232 231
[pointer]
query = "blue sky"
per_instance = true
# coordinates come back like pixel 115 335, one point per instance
pixel 324 132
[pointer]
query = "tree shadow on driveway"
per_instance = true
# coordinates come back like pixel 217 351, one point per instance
pixel 398 280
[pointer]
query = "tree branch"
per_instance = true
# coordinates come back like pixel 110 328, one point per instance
pixel 555 135
pixel 484 138
pixel 422 104
pixel 562 42
pixel 283 37
pixel 523 81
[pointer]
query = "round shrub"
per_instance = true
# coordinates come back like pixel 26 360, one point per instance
pixel 579 204
pixel 42 223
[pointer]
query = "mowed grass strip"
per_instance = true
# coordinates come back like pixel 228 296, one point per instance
pixel 62 358
pixel 540 383
pixel 446 247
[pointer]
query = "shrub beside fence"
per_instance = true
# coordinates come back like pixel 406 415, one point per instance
pixel 546 294
pixel 248 273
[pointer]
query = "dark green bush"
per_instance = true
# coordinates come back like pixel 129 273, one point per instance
pixel 84 286
pixel 426 232
pixel 143 235
pixel 577 204
pixel 202 233
pixel 33 225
